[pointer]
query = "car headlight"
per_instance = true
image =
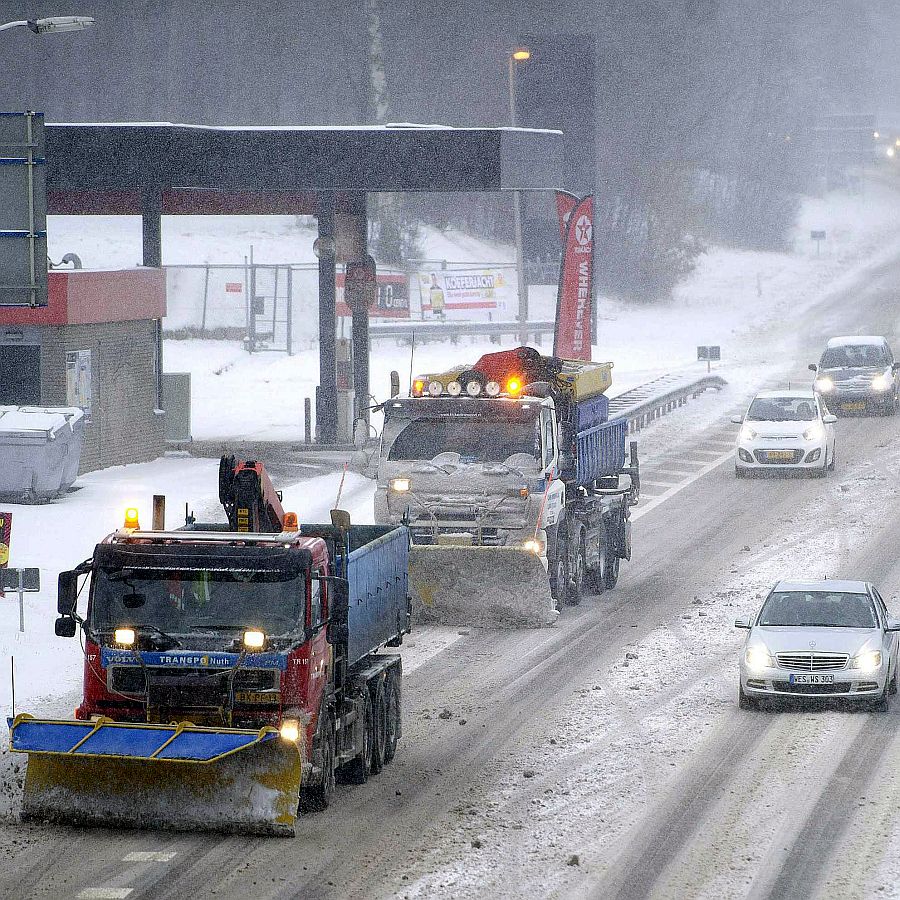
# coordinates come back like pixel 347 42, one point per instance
pixel 823 384
pixel 400 485
pixel 870 661
pixel 747 433
pixel 882 383
pixel 814 433
pixel 757 657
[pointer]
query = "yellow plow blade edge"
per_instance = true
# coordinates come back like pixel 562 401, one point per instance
pixel 471 585
pixel 179 777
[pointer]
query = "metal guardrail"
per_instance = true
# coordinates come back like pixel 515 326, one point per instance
pixel 453 330
pixel 648 402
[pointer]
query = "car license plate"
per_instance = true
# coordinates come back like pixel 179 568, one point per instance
pixel 855 406
pixel 782 455
pixel 811 679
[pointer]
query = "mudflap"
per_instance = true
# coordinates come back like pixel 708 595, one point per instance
pixel 490 586
pixel 177 777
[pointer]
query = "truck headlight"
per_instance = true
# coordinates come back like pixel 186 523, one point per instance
pixel 533 546
pixel 290 730
pixel 400 485
pixel 882 383
pixel 867 662
pixel 824 384
pixel 758 658
pixel 254 639
pixel 124 637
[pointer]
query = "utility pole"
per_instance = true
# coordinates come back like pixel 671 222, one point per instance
pixel 520 54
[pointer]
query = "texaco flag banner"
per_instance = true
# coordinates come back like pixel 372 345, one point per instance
pixel 572 339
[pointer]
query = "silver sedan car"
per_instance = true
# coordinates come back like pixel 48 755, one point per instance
pixel 820 639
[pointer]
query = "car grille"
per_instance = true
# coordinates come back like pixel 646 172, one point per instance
pixel 767 457
pixel 785 687
pixel 812 662
pixel 857 386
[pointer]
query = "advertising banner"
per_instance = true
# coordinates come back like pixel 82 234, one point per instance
pixel 391 302
pixel 573 300
pixel 458 293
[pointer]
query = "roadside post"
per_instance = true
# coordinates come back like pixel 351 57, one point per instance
pixel 710 354
pixel 23 581
pixel 818 237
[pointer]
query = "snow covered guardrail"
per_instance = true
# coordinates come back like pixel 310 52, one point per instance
pixel 647 402
pixel 451 330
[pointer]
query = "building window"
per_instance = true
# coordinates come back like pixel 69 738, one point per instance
pixel 78 380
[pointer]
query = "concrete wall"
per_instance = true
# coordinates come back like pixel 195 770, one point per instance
pixel 124 427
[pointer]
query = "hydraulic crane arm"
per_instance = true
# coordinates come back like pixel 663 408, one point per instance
pixel 251 502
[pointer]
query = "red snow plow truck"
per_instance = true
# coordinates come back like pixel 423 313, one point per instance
pixel 231 670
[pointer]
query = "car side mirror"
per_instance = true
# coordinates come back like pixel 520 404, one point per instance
pixel 737 419
pixel 67 593
pixel 813 367
pixel 830 419
pixel 742 623
pixel 65 626
pixel 892 625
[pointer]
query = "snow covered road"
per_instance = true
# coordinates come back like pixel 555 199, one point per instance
pixel 604 757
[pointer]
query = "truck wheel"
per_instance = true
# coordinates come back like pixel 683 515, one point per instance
pixel 392 703
pixel 379 727
pixel 576 582
pixel 358 769
pixel 561 587
pixel 318 797
pixel 611 570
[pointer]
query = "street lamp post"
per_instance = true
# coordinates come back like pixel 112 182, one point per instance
pixel 519 55
pixel 51 24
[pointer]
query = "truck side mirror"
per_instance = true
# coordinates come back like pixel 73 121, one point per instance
pixel 67 593
pixel 340 518
pixel 338 629
pixel 65 626
pixel 567 464
pixel 395 384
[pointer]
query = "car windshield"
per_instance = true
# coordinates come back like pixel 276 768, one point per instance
pixel 475 440
pixel 180 602
pixel 782 409
pixel 820 609
pixel 854 356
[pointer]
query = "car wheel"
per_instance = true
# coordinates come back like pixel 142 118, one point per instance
pixel 745 702
pixel 831 464
pixel 892 686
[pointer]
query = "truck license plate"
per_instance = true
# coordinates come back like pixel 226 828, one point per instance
pixel 811 679
pixel 257 696
pixel 855 406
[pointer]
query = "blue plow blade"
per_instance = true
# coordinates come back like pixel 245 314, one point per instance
pixel 179 776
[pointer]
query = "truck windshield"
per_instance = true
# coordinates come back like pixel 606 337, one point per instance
pixel 183 602
pixel 475 440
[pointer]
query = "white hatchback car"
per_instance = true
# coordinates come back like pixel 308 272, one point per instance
pixel 820 639
pixel 785 431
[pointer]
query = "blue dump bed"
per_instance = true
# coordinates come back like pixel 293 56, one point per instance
pixel 599 446
pixel 377 569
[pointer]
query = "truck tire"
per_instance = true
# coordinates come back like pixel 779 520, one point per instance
pixel 359 768
pixel 578 571
pixel 318 797
pixel 379 724
pixel 611 570
pixel 392 703
pixel 560 563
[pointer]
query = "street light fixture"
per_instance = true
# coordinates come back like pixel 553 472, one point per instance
pixel 518 55
pixel 52 24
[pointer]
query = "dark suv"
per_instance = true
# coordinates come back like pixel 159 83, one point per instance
pixel 858 374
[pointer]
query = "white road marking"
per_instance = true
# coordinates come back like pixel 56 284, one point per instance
pixel 104 893
pixel 425 643
pixel 708 452
pixel 149 856
pixel 643 510
pixel 669 471
pixel 665 484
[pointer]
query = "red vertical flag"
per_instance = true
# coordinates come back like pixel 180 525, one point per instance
pixel 565 203
pixel 5 537
pixel 572 339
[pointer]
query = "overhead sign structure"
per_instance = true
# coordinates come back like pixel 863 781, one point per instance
pixel 574 298
pixel 23 210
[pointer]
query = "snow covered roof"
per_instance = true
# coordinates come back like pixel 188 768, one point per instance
pixel 792 392
pixel 835 586
pixel 856 340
